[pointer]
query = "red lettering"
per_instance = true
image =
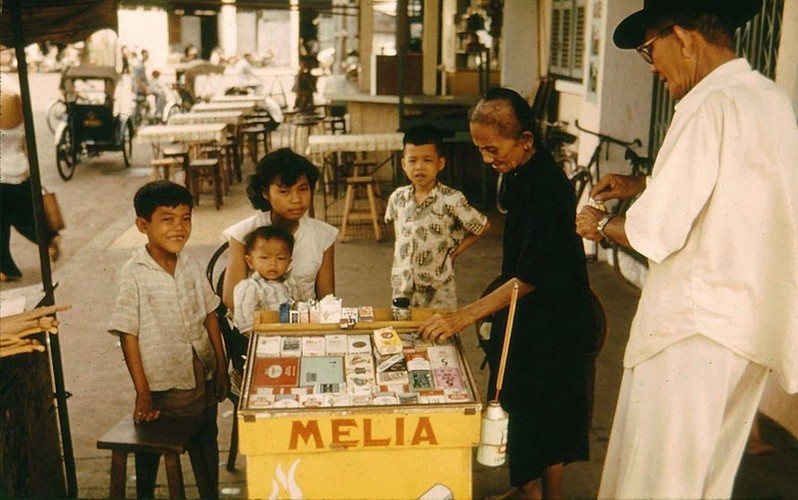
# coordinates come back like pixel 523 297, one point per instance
pixel 368 440
pixel 341 428
pixel 305 431
pixel 400 431
pixel 424 432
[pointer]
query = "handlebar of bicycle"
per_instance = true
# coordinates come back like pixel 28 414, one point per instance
pixel 606 138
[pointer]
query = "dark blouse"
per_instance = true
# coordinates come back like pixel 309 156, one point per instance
pixel 553 325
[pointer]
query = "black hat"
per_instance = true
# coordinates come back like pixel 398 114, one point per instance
pixel 631 32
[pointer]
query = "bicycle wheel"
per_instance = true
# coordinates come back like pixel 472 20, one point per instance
pixel 55 113
pixel 65 157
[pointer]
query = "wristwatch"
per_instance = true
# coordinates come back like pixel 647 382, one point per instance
pixel 602 223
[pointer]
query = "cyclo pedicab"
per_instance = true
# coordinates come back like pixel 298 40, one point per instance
pixel 90 124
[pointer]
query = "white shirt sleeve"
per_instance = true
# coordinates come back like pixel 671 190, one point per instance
pixel 684 177
pixel 245 303
pixel 125 317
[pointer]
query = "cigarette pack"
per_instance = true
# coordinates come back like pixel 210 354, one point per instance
pixel 291 347
pixel 311 400
pixel 268 346
pixel 408 340
pixel 321 370
pixel 365 313
pixel 336 399
pixel 285 312
pixel 397 388
pixel 448 378
pixel 359 344
pixel 436 396
pixel 293 316
pixel 335 345
pixel 417 361
pixel 420 344
pixel 304 312
pixel 407 398
pixel 393 363
pixel 261 401
pixel 387 341
pixel 313 346
pixel 457 395
pixel 360 399
pixel 349 314
pixel 390 378
pixel 275 372
pixel 443 356
pixel 421 380
pixel 356 362
pixel 359 384
pixel 385 398
pixel 286 401
pixel 329 388
pixel 330 309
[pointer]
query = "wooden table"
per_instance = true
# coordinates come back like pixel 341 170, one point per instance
pixel 226 117
pixel 205 107
pixel 247 98
pixel 324 149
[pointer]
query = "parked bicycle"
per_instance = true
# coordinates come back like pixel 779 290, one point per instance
pixel 624 258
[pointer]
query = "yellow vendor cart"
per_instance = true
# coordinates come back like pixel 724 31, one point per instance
pixel 300 445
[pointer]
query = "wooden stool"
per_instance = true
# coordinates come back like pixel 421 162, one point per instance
pixel 353 183
pixel 252 136
pixel 179 153
pixel 162 168
pixel 165 436
pixel 205 169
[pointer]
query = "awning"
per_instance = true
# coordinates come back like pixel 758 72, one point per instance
pixel 189 6
pixel 59 20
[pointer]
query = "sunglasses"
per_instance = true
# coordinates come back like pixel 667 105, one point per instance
pixel 646 48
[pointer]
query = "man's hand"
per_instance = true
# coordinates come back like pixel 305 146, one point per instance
pixel 442 326
pixel 614 186
pixel 143 411
pixel 587 221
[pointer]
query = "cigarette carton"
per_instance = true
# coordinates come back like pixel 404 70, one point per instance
pixel 275 372
pixel 436 396
pixel 321 370
pixel 286 401
pixel 443 356
pixel 391 378
pixel 336 399
pixel 312 400
pixel 385 398
pixel 393 363
pixel 457 395
pixel 365 313
pixel 330 309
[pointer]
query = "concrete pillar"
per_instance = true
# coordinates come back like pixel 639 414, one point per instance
pixel 228 30
pixel 519 46
pixel 293 21
pixel 365 44
pixel 429 47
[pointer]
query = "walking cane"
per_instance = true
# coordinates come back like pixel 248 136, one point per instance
pixel 492 450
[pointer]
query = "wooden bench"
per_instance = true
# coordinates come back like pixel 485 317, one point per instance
pixel 165 436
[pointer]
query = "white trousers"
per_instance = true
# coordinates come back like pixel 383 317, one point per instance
pixel 682 423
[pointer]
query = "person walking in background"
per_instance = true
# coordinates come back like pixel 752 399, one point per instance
pixel 547 389
pixel 16 203
pixel 166 322
pixel 718 222
pixel 433 224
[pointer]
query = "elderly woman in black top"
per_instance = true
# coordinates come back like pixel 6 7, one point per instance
pixel 547 384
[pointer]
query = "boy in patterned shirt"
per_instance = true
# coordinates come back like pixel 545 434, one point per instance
pixel 166 322
pixel 433 224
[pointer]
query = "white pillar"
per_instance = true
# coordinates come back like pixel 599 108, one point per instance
pixel 430 40
pixel 786 69
pixel 228 30
pixel 293 22
pixel 519 46
pixel 366 42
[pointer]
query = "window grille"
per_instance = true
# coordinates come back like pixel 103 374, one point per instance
pixel 757 41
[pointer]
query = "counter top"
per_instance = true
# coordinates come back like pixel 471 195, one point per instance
pixel 411 100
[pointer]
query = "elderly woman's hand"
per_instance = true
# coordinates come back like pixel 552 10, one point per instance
pixel 587 223
pixel 442 326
